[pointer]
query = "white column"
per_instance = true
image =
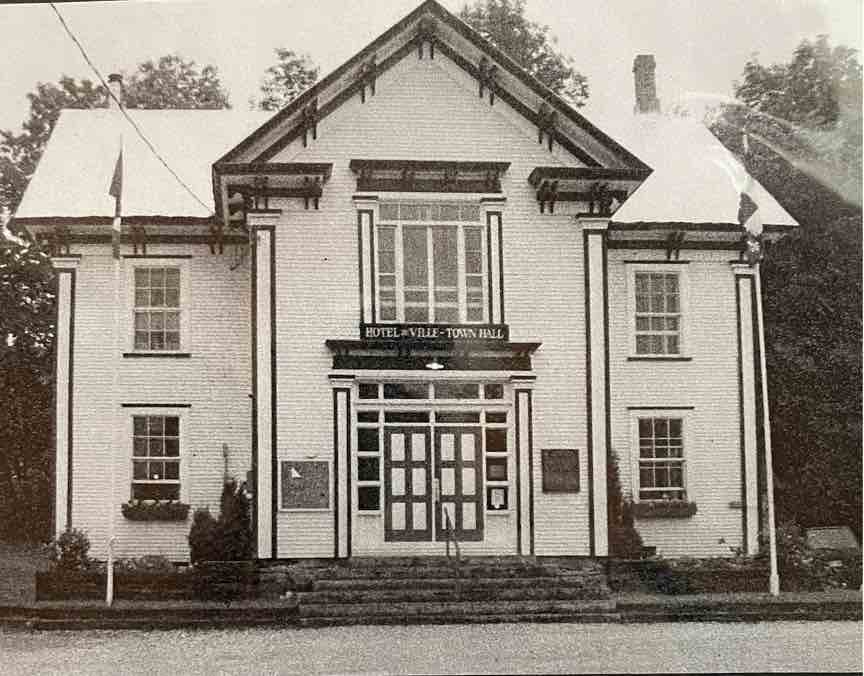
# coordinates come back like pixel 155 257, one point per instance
pixel 264 386
pixel 747 386
pixel 595 276
pixel 66 268
pixel 522 396
pixel 342 464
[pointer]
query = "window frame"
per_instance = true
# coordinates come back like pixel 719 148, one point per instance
pixel 184 307
pixel 684 314
pixel 183 454
pixel 398 227
pixel 684 415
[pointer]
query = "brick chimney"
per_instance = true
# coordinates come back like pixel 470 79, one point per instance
pixel 115 84
pixel 645 83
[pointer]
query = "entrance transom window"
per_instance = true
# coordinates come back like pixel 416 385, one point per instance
pixel 432 273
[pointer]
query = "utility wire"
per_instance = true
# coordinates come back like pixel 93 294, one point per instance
pixel 119 103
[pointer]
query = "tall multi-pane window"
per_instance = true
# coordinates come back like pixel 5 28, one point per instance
pixel 155 457
pixel 157 308
pixel 658 313
pixel 432 273
pixel 661 459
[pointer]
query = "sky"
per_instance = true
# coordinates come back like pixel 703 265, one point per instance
pixel 700 46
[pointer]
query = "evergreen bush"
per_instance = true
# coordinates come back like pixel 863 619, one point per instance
pixel 68 552
pixel 624 540
pixel 228 538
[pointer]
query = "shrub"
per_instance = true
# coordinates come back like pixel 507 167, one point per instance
pixel 801 567
pixel 624 540
pixel 150 564
pixel 202 536
pixel 228 538
pixel 69 551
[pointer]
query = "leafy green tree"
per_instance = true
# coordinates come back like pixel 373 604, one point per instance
pixel 504 24
pixel 286 80
pixel 803 121
pixel 174 82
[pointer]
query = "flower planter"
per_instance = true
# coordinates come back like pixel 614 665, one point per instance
pixel 155 511
pixel 664 509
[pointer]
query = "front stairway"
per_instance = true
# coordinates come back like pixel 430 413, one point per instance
pixel 441 590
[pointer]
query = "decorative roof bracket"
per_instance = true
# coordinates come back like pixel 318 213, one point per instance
pixel 426 30
pixel 674 242
pixel 366 76
pixel 309 121
pixel 139 238
pixel 546 120
pixel 488 73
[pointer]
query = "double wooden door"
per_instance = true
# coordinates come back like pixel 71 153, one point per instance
pixel 432 481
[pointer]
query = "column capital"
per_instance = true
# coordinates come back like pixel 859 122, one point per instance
pixel 340 381
pixel 259 217
pixel 742 268
pixel 592 223
pixel 67 262
pixel 521 382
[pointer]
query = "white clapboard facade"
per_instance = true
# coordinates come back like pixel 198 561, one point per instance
pixel 426 298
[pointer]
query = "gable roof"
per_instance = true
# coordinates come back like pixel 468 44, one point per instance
pixel 74 174
pixel 695 180
pixel 463 45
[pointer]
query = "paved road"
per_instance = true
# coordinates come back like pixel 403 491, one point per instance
pixel 514 648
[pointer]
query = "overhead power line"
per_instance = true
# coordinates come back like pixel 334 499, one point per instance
pixel 123 110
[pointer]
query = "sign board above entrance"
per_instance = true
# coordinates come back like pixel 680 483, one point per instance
pixel 436 332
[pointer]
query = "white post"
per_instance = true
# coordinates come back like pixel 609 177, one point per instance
pixel 118 428
pixel 109 587
pixel 774 579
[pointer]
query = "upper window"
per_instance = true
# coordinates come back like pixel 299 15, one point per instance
pixel 661 459
pixel 157 308
pixel 432 274
pixel 155 457
pixel 657 313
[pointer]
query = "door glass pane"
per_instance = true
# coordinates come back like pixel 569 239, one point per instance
pixel 468 448
pixel 469 516
pixel 397 513
pixel 367 440
pixel 368 498
pixel 406 391
pixel 448 481
pixel 397 481
pixel 448 510
pixel 367 468
pixel 468 481
pixel 419 515
pixel 446 450
pixel 418 447
pixel 397 447
pixel 418 481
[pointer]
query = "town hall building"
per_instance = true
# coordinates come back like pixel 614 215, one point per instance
pixel 426 300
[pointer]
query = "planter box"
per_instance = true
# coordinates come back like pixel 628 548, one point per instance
pixel 664 577
pixel 665 509
pixel 53 586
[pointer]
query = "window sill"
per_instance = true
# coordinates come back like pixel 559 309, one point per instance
pixel 659 357
pixel 664 509
pixel 167 355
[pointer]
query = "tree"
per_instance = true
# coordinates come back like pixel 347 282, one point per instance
pixel 803 119
pixel 286 80
pixel 504 24
pixel 173 82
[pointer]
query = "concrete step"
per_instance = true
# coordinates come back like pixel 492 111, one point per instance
pixel 545 582
pixel 454 609
pixel 495 593
pixel 487 618
pixel 442 571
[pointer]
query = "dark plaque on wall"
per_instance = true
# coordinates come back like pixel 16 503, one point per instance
pixel 560 470
pixel 305 484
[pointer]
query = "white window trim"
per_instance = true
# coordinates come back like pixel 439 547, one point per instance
pixel 686 416
pixel 685 325
pixel 460 268
pixel 183 415
pixel 185 303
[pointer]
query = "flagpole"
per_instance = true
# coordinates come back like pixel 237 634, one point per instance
pixel 116 190
pixel 774 575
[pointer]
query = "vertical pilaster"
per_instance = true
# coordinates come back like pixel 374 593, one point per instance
pixel 342 465
pixel 66 268
pixel 367 211
pixel 264 448
pixel 747 396
pixel 597 377
pixel 523 387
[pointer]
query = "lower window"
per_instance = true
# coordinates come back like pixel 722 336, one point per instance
pixel 155 457
pixel 661 459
